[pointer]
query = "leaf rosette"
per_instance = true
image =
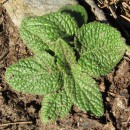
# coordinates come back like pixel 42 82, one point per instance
pixel 66 61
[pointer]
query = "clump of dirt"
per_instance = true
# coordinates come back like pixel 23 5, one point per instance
pixel 20 111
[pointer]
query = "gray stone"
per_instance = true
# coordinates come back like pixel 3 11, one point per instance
pixel 18 9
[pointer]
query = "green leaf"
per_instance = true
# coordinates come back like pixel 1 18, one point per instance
pixel 102 48
pixel 65 55
pixel 76 11
pixel 55 106
pixel 34 43
pixel 87 95
pixel 69 85
pixel 36 75
pixel 50 27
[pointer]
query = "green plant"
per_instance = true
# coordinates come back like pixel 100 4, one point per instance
pixel 66 61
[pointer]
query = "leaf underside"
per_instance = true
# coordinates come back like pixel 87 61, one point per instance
pixel 102 48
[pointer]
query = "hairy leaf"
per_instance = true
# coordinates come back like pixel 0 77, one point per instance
pixel 61 69
pixel 49 27
pixel 76 11
pixel 65 55
pixel 55 106
pixel 69 85
pixel 35 44
pixel 87 95
pixel 36 75
pixel 102 48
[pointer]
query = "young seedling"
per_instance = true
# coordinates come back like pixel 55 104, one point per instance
pixel 67 58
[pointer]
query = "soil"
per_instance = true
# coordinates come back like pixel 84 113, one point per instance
pixel 20 111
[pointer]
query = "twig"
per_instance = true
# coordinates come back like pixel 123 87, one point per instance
pixel 126 5
pixel 112 12
pixel 126 18
pixel 97 11
pixel 15 123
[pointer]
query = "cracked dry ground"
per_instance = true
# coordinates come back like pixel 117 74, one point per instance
pixel 20 111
